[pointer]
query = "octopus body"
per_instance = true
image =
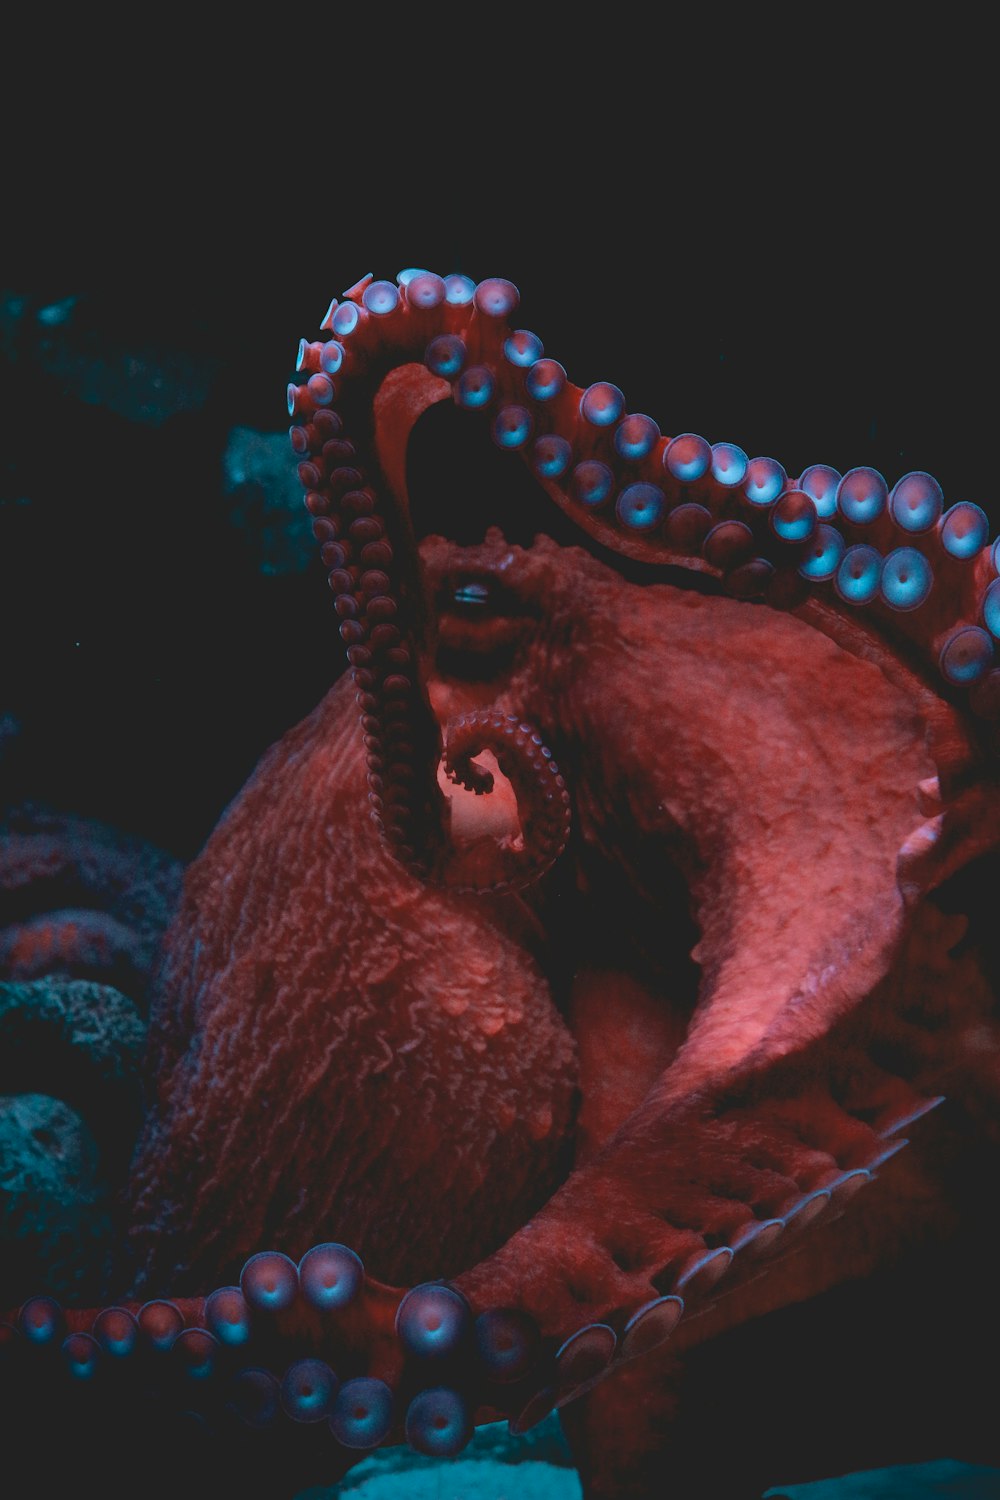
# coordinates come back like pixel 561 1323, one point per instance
pixel 407 1165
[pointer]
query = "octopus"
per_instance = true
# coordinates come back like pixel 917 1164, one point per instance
pixel 543 1025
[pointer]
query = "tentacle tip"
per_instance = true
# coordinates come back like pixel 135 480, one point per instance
pixel 533 1412
pixel 902 1122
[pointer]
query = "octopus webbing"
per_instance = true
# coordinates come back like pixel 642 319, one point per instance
pixel 556 998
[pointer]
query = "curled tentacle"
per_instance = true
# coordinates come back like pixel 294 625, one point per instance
pixel 542 797
pixel 356 494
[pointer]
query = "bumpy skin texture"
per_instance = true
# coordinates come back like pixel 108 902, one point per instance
pixel 717 1008
pixel 401 1050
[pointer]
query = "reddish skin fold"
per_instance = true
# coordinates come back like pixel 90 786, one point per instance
pixel 348 1043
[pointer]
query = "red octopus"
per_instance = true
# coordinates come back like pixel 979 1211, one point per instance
pixel 739 757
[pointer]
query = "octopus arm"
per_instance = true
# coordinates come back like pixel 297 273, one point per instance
pixel 777 1098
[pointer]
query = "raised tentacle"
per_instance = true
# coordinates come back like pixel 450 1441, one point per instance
pixel 356 494
pixel 845 544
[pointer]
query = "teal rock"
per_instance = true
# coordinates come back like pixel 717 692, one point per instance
pixel 945 1479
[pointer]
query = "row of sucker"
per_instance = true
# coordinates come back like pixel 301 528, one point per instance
pixel 449 1365
pixel 926 573
pixel 423 1367
pixel 380 326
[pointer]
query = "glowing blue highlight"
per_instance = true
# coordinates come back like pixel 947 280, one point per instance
pixel 687 457
pixel 991 608
pixel 160 1323
pixel 331 357
pixel 857 578
pixel 445 355
pixel 593 483
pixel 459 290
pixel 965 529
pixel 380 298
pixel 821 483
pixel 437 1422
pixel 635 437
pixel 474 388
pixel 602 404
pixel 56 312
pixel 405 277
pixel 907 577
pixel 729 464
pixel 269 1281
pixel 83 1356
pixel 195 1349
pixel 966 655
pixel 41 1320
pixel 765 481
pixel 523 348
pixel 308 1389
pixel 861 495
pixel 512 426
pixel 476 594
pixel 793 518
pixel 119 1344
pixel 545 379
pixel 640 506
pixel 551 456
pixel 330 1276
pixel 219 1320
pixel 996 555
pixel 916 502
pixel 362 1412
pixel 432 1320
pixel 345 319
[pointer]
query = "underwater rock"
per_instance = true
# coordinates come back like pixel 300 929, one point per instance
pixel 139 382
pixel 487 1480
pixel 266 501
pixel 74 1039
pixel 534 1466
pixel 942 1478
pixel 55 1199
pixel 70 1103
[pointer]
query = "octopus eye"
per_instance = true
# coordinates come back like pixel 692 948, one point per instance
pixel 473 595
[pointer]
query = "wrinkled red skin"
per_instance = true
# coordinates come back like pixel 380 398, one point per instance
pixel 771 1086
pixel 343 1050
